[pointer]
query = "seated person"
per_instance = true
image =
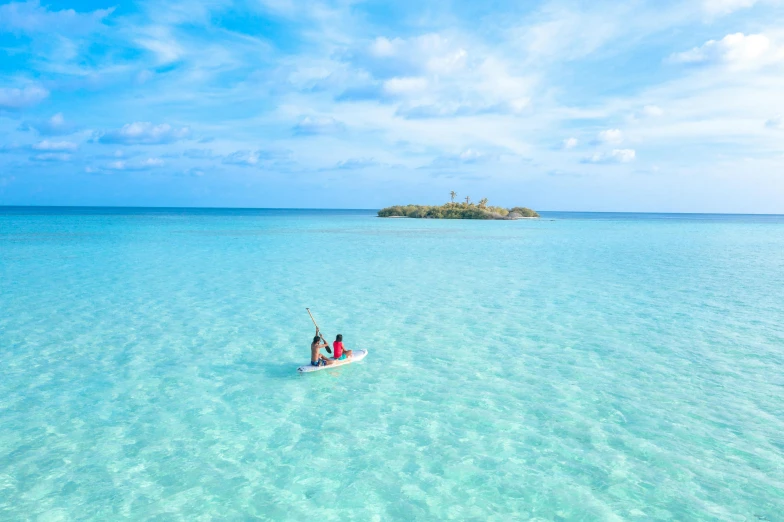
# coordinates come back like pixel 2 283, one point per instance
pixel 316 358
pixel 340 352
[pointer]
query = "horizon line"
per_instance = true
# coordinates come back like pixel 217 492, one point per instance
pixel 370 209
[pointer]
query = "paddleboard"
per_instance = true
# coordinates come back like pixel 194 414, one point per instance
pixel 358 355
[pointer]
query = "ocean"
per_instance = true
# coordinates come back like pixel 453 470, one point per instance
pixel 583 366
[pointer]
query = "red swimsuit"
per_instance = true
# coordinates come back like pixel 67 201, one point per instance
pixel 337 346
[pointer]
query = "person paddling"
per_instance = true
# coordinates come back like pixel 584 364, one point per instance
pixel 316 358
pixel 339 352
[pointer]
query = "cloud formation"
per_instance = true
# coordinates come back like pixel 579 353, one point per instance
pixel 54 126
pixel 435 76
pixel 316 125
pixel 613 156
pixel 724 7
pixel 467 157
pixel 124 165
pixel 611 136
pixel 775 123
pixel 51 157
pixel 351 87
pixel 55 145
pixel 144 133
pixel 569 143
pixel 248 158
pixel 356 164
pixel 426 54
pixel 738 50
pixel 31 17
pixel 15 98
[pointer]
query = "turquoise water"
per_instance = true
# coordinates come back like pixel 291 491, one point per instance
pixel 579 367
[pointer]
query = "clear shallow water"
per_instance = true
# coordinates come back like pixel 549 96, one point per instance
pixel 580 367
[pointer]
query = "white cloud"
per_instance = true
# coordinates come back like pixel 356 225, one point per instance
pixel 775 123
pixel 447 63
pixel 30 17
pixel 55 145
pixel 568 34
pixel 459 92
pixel 356 164
pixel 149 163
pixel 159 40
pixel 469 156
pixel 611 136
pixel 167 51
pixel 54 126
pixel 253 157
pixel 51 156
pixel 736 50
pixel 383 47
pixel 116 165
pixel 152 162
pixel 143 77
pixel 723 7
pixel 569 143
pixel 312 125
pixel 405 86
pixel 242 157
pixel 14 99
pixel 144 133
pixel 614 156
pixel 428 53
pixel 432 76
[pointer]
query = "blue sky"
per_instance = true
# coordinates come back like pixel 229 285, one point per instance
pixel 557 105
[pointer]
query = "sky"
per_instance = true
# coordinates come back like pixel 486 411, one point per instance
pixel 658 106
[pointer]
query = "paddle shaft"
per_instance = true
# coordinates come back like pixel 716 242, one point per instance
pixel 319 330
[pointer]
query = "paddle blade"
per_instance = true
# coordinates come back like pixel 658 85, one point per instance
pixel 328 350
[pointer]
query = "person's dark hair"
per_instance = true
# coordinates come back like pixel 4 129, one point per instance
pixel 339 338
pixel 316 339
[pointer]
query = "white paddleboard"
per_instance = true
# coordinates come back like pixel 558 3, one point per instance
pixel 358 355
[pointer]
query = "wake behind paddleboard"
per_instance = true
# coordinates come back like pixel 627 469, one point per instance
pixel 358 355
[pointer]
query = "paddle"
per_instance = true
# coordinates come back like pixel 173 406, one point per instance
pixel 319 331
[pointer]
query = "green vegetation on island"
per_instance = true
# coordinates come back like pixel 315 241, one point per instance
pixel 454 210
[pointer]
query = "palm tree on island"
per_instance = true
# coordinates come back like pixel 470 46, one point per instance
pixel 459 211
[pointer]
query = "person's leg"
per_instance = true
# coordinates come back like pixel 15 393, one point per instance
pixel 349 353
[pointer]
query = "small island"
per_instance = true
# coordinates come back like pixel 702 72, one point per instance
pixel 454 210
